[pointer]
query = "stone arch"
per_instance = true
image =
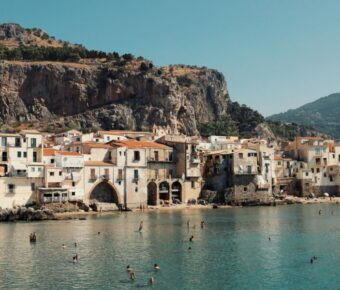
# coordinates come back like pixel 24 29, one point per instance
pixel 152 193
pixel 164 191
pixel 104 191
pixel 176 190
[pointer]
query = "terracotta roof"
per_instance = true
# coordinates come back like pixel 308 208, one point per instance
pixel 54 152
pixel 279 157
pixel 139 144
pixel 97 163
pixel 92 144
pixel 122 132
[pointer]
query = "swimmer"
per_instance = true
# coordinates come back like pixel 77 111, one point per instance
pixel 269 238
pixel 189 248
pixel 315 258
pixel 152 280
pixel 191 238
pixel 311 261
pixel 98 233
pixel 157 267
pixel 128 268
pixel 75 258
pixel 140 227
pixel 320 211
pixel 132 276
pixel 202 224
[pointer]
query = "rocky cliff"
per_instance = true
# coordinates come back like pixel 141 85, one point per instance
pixel 133 95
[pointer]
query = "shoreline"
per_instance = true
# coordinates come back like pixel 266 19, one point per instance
pixel 291 200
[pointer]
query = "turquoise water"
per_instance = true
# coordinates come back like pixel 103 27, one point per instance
pixel 232 252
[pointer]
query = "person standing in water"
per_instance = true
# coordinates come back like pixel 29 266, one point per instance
pixel 191 238
pixel 151 280
pixel 132 276
pixel 202 224
pixel 156 267
pixel 140 227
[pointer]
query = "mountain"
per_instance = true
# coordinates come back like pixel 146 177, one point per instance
pixel 322 114
pixel 52 85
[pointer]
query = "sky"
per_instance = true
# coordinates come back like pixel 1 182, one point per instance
pixel 275 55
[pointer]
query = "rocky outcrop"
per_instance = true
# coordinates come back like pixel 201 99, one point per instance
pixel 115 95
pixel 25 214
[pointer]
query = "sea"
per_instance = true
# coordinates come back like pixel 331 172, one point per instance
pixel 238 248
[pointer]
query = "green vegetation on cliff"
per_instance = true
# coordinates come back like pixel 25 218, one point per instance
pixel 322 114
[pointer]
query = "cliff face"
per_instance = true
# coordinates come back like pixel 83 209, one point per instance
pixel 111 95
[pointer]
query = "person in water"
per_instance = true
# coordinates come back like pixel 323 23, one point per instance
pixel 191 238
pixel 63 246
pixel 98 233
pixel 311 261
pixel 156 266
pixel 202 224
pixel 151 280
pixel 75 244
pixel 269 238
pixel 320 211
pixel 189 248
pixel 128 268
pixel 140 227
pixel 75 258
pixel 132 276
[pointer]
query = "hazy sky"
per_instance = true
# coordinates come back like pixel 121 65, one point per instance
pixel 275 55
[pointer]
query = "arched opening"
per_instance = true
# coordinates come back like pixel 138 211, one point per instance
pixel 164 193
pixel 152 193
pixel 176 191
pixel 104 192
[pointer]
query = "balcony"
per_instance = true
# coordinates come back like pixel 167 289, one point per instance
pixel 245 172
pixel 93 178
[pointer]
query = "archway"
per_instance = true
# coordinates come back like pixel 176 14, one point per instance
pixel 176 191
pixel 152 193
pixel 104 192
pixel 164 193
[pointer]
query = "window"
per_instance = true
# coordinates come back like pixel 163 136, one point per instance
pixel 106 172
pixel 170 156
pixel 136 189
pixel 60 173
pixel 135 174
pixel 120 153
pixel 34 156
pixel 312 170
pixel 240 155
pixel 171 173
pixel 252 154
pixel 317 161
pixel 33 186
pixel 245 189
pixel 73 193
pixel 52 160
pixel 156 155
pixel 73 184
pixel 33 169
pixel 324 174
pixel 33 142
pixel 4 141
pixel 249 169
pixel 317 170
pixel 307 184
pixel 192 184
pixel 279 163
pixel 307 173
pixel 25 154
pixel 19 154
pixel 330 178
pixel 108 138
pixel 93 173
pixel 11 188
pixel 17 142
pixel 109 155
pixel 51 173
pixel 39 169
pixel 120 174
pixel 136 155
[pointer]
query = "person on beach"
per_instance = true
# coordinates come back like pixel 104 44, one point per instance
pixel 132 276
pixel 202 224
pixel 140 227
pixel 151 280
pixel 156 267
pixel 128 268
pixel 191 238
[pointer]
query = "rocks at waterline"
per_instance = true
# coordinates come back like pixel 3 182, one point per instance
pixel 25 214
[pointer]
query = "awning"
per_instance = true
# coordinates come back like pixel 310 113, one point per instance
pixel 18 166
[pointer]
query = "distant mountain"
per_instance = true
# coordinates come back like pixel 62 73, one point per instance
pixel 323 115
